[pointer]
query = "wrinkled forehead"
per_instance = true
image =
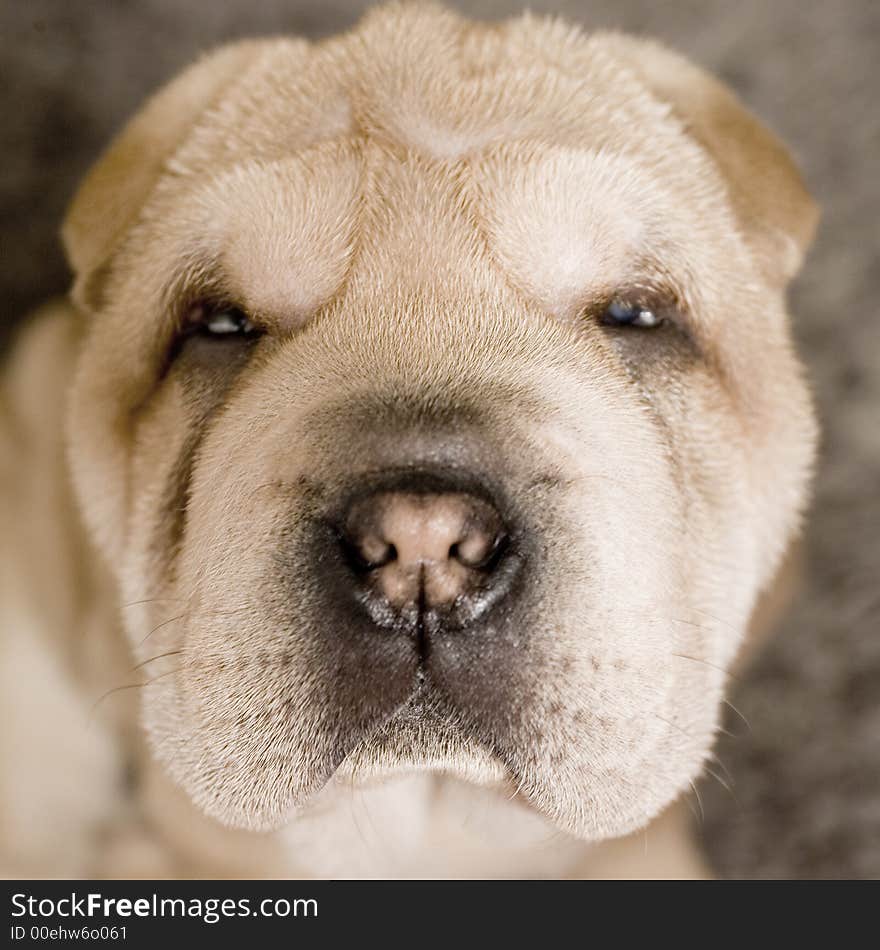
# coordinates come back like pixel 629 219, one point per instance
pixel 449 92
pixel 327 163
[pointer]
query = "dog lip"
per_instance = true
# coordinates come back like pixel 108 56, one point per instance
pixel 419 711
pixel 414 700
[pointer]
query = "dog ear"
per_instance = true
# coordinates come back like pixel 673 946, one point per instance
pixel 118 185
pixel 777 215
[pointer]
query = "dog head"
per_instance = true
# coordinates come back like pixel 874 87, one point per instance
pixel 439 400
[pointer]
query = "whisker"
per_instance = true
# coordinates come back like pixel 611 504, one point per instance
pixel 724 784
pixel 727 702
pixel 152 658
pixel 714 666
pixel 152 600
pixel 715 619
pixel 691 807
pixel 110 692
pixel 195 615
pixel 674 725
pixel 727 786
pixel 160 625
pixel 696 792
pixel 127 686
pixel 714 757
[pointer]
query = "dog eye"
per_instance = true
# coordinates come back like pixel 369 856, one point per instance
pixel 222 322
pixel 623 313
pixel 214 336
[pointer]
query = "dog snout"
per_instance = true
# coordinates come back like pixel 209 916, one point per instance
pixel 428 549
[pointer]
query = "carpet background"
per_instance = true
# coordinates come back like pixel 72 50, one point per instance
pixel 805 776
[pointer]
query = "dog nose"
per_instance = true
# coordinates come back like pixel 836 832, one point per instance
pixel 426 550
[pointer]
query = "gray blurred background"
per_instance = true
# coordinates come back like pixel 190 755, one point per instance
pixel 804 775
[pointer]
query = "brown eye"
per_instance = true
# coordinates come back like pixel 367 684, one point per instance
pixel 622 313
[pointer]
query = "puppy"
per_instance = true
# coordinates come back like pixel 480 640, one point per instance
pixel 432 428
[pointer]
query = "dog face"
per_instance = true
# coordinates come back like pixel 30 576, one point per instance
pixel 438 401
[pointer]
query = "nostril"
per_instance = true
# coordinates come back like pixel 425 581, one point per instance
pixel 376 552
pixel 478 551
pixel 366 554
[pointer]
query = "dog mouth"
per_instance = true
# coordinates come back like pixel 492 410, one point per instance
pixel 424 734
pixel 426 622
pixel 415 582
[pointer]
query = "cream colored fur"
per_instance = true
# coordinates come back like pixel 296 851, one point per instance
pixel 424 211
